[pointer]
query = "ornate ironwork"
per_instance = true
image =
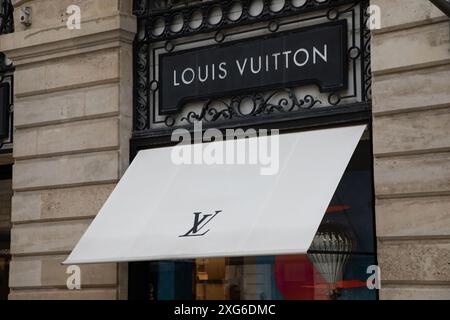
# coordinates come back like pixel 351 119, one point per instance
pixel 6 17
pixel 142 10
pixel 281 103
pixel 6 70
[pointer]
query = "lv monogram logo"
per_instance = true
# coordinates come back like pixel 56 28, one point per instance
pixel 200 221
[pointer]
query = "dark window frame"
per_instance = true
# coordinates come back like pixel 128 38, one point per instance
pixel 144 110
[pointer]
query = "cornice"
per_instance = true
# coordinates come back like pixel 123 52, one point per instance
pixel 44 44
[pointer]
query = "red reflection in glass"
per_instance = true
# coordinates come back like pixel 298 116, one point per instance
pixel 296 279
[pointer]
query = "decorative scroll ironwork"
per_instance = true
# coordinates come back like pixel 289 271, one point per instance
pixel 285 102
pixel 258 104
pixel 6 17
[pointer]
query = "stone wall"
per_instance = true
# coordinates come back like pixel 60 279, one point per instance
pixel 73 109
pixel 411 106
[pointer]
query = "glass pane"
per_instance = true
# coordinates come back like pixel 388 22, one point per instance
pixel 351 208
pixel 262 278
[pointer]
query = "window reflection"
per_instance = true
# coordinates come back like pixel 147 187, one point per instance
pixel 295 277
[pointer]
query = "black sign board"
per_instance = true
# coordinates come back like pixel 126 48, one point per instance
pixel 312 55
pixel 4 110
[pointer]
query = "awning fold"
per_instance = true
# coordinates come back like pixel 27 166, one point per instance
pixel 163 211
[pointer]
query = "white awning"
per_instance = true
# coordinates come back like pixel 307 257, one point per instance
pixel 239 212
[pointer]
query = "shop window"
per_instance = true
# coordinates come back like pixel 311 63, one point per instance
pixel 335 268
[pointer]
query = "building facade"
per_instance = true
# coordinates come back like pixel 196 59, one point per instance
pixel 78 118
